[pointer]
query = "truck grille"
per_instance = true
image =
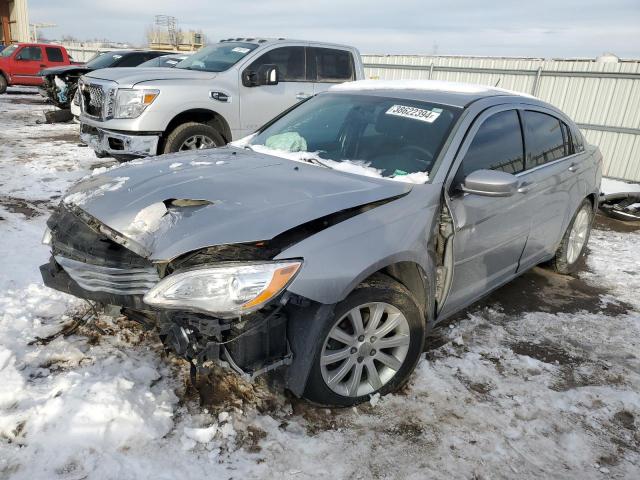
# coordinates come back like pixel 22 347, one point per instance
pixel 119 281
pixel 93 99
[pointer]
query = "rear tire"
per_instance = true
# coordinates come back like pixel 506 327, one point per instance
pixel 200 135
pixel 393 353
pixel 3 84
pixel 572 248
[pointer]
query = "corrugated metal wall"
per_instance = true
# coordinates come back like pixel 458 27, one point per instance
pixel 603 98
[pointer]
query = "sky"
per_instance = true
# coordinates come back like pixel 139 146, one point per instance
pixel 540 28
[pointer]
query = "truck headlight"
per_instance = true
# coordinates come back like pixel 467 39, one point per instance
pixel 227 290
pixel 130 103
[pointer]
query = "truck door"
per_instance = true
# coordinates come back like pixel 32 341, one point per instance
pixel 328 66
pixel 28 62
pixel 260 104
pixel 489 232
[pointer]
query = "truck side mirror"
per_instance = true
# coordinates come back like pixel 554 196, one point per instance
pixel 265 75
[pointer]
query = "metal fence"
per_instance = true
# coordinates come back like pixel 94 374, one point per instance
pixel 603 98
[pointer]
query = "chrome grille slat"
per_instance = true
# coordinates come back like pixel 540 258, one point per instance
pixel 120 281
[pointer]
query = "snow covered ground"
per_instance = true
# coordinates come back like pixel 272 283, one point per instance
pixel 540 380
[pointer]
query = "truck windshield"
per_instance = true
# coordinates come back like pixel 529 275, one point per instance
pixel 371 135
pixel 8 51
pixel 218 57
pixel 104 60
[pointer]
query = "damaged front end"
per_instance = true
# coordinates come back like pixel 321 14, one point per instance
pixel 60 88
pixel 87 261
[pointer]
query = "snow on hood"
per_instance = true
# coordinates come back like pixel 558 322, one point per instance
pixel 425 85
pixel 132 76
pixel 224 196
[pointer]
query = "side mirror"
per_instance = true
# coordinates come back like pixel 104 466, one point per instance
pixel 265 75
pixel 490 183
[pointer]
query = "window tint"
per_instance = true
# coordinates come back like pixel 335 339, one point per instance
pixel 497 145
pixel 289 60
pixel 332 65
pixel 132 60
pixel 545 139
pixel 577 141
pixel 30 53
pixel 54 54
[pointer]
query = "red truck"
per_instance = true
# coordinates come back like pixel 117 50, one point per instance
pixel 21 62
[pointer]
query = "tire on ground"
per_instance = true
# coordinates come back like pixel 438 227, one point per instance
pixel 378 288
pixel 560 263
pixel 182 132
pixel 3 84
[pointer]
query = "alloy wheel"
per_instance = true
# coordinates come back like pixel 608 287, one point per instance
pixel 578 235
pixel 364 349
pixel 197 142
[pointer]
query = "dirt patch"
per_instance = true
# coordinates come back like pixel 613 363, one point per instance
pixel 625 419
pixel 603 222
pixel 545 352
pixel 28 208
pixel 320 419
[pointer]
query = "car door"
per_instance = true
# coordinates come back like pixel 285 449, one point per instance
pixel 328 66
pixel 489 232
pixel 29 62
pixel 260 104
pixel 550 176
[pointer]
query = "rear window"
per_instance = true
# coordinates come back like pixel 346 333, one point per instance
pixel 54 54
pixel 545 139
pixel 104 60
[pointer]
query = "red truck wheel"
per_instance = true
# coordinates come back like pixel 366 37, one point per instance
pixel 3 84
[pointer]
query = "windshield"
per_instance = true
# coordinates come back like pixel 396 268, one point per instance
pixel 365 134
pixel 8 51
pixel 104 60
pixel 218 57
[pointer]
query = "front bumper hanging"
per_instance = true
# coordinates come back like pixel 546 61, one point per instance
pixel 109 142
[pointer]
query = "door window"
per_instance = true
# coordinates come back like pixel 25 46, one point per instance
pixel 332 66
pixel 30 53
pixel 290 62
pixel 54 54
pixel 546 141
pixel 497 145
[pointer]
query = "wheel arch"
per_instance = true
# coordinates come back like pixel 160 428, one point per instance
pixel 201 115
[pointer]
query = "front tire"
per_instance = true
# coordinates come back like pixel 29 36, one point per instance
pixel 573 245
pixel 371 345
pixel 3 84
pixel 192 136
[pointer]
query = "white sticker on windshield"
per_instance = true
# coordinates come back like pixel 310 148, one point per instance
pixel 241 50
pixel 421 114
pixel 117 57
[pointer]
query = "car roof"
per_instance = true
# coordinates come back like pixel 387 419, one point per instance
pixel 455 94
pixel 272 41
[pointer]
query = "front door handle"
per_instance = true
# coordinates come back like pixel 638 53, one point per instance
pixel 302 96
pixel 573 167
pixel 524 187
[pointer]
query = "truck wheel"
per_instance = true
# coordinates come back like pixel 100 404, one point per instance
pixel 573 244
pixel 372 345
pixel 192 136
pixel 3 84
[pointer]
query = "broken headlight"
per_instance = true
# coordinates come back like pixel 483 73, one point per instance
pixel 226 290
pixel 130 103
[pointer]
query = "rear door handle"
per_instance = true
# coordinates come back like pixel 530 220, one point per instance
pixel 302 96
pixel 573 167
pixel 524 187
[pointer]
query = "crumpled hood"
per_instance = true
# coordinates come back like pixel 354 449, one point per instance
pixel 64 69
pixel 243 196
pixel 132 76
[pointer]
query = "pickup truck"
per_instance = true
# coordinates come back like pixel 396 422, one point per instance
pixel 219 94
pixel 20 63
